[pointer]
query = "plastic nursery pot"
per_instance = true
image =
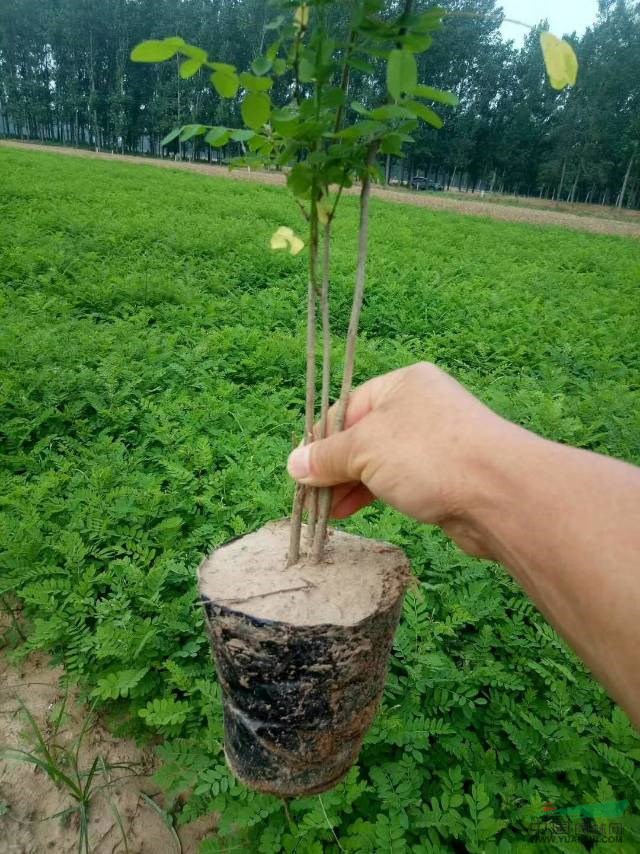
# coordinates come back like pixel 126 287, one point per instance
pixel 301 653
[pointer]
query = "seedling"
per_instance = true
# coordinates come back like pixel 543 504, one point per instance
pixel 301 632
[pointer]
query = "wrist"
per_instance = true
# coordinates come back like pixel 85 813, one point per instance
pixel 493 477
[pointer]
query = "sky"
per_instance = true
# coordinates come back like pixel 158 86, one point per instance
pixel 564 16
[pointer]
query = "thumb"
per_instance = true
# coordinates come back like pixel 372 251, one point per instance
pixel 326 462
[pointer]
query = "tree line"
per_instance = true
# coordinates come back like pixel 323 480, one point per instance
pixel 66 77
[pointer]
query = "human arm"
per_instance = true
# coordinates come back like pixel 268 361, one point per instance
pixel 565 522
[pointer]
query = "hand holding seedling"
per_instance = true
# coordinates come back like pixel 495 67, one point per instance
pixel 566 522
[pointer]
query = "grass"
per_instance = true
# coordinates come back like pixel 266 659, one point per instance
pixel 60 761
pixel 153 358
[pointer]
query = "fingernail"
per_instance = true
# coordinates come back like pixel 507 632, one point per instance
pixel 298 463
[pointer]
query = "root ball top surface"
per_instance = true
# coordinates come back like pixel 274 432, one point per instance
pixel 356 579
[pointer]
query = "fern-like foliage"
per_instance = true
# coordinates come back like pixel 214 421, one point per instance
pixel 152 371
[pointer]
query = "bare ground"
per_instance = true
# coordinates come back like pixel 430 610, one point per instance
pixel 29 798
pixel 589 218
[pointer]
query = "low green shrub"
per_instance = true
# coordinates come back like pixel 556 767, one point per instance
pixel 152 355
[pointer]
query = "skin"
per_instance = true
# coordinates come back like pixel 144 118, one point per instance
pixel 564 522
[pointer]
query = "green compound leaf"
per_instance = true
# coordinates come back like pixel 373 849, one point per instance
pixel 226 83
pixel 189 131
pixel 299 179
pixel 217 136
pixel 170 136
pixel 156 50
pixel 222 66
pixel 119 684
pixel 425 113
pixel 242 135
pixel 165 711
pixel 189 67
pixel 255 84
pixel 402 73
pixel 438 95
pixel 261 65
pixel 194 52
pixel 256 109
pixel 391 111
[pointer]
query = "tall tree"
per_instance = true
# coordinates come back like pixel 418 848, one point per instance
pixel 65 76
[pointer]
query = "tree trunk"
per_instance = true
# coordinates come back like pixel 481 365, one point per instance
pixel 92 96
pixel 178 78
pixel 623 191
pixel 574 188
pixel 564 172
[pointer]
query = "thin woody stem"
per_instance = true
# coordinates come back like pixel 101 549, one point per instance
pixel 352 339
pixel 326 329
pixel 312 493
pixel 337 199
pixel 320 504
pixel 324 497
pixel 344 79
pixel 361 271
pixel 293 555
pixel 312 514
pixel 485 17
pixel 299 499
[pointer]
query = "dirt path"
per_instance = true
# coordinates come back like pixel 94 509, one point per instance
pixel 29 798
pixel 453 204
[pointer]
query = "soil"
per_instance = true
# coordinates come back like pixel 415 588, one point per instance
pixel 589 218
pixel 250 575
pixel 301 652
pixel 28 797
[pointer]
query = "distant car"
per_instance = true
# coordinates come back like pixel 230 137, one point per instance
pixel 421 183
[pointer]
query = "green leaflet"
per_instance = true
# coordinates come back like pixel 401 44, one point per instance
pixel 255 109
pixel 189 67
pixel 402 73
pixel 226 83
pixel 155 50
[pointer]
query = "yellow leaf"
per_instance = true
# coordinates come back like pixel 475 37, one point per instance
pixel 297 245
pixel 285 238
pixel 278 241
pixel 301 16
pixel 560 61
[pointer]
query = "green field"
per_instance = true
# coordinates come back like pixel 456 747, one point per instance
pixel 152 375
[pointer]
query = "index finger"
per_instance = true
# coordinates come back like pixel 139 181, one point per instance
pixel 362 400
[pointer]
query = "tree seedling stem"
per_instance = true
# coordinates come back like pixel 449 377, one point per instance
pixel 326 142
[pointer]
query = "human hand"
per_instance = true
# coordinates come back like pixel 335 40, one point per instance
pixel 563 520
pixel 414 438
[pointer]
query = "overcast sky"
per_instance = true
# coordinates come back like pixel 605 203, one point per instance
pixel 564 16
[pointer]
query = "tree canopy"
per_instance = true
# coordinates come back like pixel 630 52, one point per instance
pixel 66 76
